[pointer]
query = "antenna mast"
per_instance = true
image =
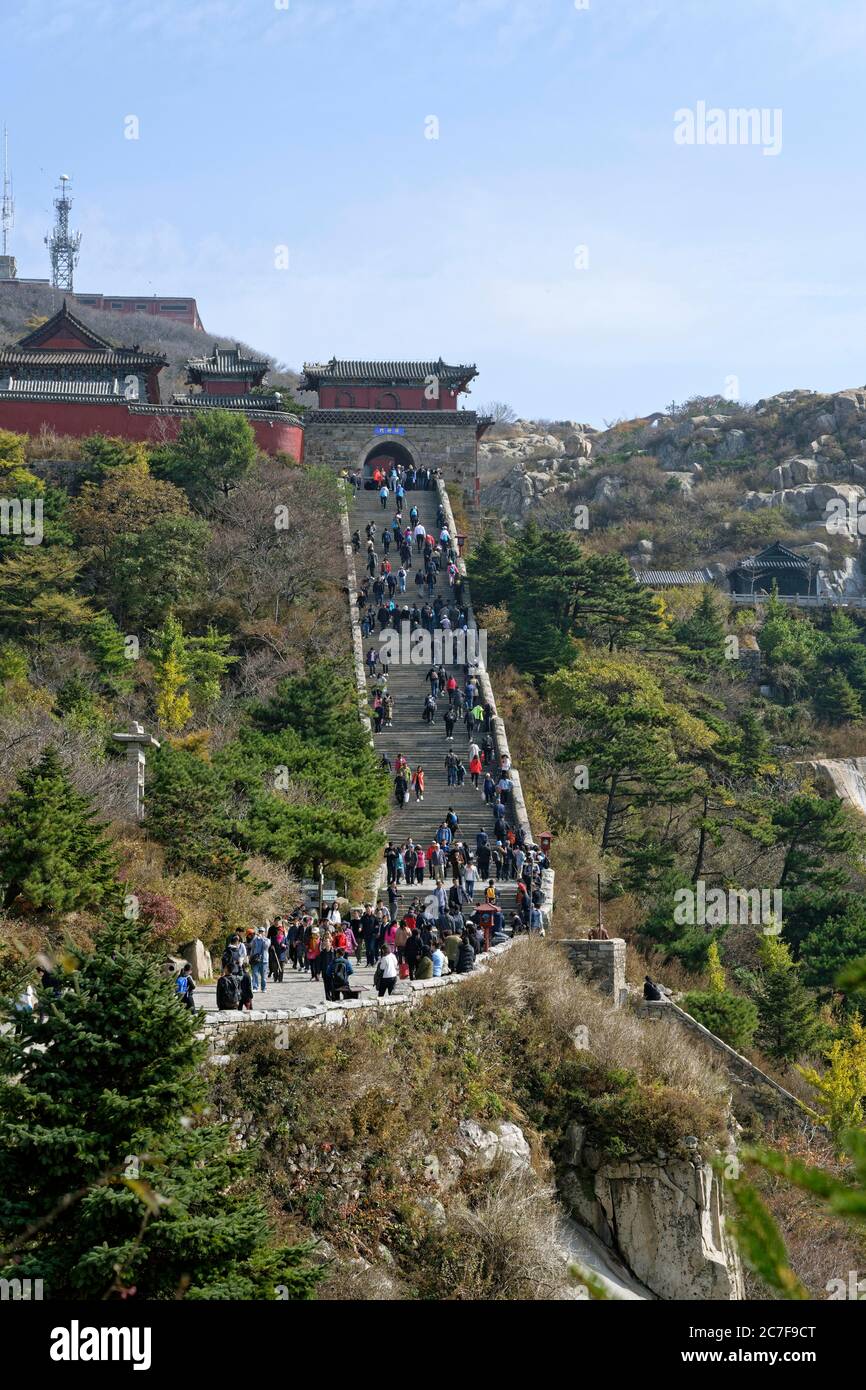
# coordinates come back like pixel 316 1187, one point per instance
pixel 62 244
pixel 7 205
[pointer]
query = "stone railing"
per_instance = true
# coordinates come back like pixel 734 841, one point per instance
pixel 218 1029
pixel 754 1084
pixel 497 723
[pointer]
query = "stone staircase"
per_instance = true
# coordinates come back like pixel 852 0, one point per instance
pixel 421 743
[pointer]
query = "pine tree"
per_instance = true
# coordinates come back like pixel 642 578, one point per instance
pixel 731 1017
pixel 704 632
pixel 788 1024
pixel 53 854
pixel 188 811
pixel 110 1183
pixel 836 700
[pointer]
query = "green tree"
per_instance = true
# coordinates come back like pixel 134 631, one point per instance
pixel 188 810
pixel 840 1090
pixel 213 452
pixel 634 742
pixel 788 1024
pixel 54 856
pixel 161 568
pixel 731 1017
pixel 836 701
pixel 704 632
pixel 110 1182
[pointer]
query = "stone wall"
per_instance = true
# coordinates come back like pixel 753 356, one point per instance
pixel 218 1029
pixel 442 439
pixel 500 737
pixel 602 962
pixel 753 1087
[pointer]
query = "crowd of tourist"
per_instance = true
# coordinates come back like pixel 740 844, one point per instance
pixel 456 912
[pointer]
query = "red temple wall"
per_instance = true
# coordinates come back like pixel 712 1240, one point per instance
pixel 371 398
pixel 79 420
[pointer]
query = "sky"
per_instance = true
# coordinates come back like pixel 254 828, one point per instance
pixel 515 183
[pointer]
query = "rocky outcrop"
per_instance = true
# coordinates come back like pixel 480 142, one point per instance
pixel 662 1218
pixel 199 958
pixel 810 501
pixel 845 778
pixel 504 1145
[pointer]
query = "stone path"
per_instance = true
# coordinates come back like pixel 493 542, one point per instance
pixel 296 990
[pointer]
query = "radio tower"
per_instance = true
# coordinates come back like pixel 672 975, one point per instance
pixel 7 206
pixel 62 244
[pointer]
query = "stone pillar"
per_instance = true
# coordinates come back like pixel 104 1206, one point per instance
pixel 135 742
pixel 602 962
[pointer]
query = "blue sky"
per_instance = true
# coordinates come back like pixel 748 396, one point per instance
pixel 302 123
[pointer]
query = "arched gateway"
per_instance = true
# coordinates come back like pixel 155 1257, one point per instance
pixel 397 409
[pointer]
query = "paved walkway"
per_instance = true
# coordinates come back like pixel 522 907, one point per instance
pixel 296 990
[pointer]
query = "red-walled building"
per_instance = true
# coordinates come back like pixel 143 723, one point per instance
pixel 386 385
pixel 182 310
pixel 67 378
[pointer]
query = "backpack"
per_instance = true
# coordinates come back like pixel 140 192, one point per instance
pixel 227 992
pixel 340 974
pixel 182 984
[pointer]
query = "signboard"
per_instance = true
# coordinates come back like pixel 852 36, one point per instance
pixel 310 888
pixel 389 429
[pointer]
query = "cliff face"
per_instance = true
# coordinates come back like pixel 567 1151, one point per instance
pixel 663 1219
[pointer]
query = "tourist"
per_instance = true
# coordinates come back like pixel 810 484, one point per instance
pixel 228 990
pixel 246 988
pixel 259 958
pixel 451 946
pixel 387 972
pixel 651 989
pixel 418 783
pixel 465 954
pixel 185 986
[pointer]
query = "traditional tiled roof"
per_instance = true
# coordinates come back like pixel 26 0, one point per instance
pixel 338 371
pixel 62 390
pixel 248 401
pixel 668 579
pixel 225 362
pixel 94 351
pixel 777 557
pixel 71 357
pixel 67 323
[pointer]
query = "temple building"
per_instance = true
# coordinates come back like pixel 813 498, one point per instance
pixel 368 411
pixel 65 377
pixel 65 361
pixel 792 574
pixel 226 379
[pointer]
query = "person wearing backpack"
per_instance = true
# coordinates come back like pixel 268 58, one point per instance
pixel 234 955
pixel 185 986
pixel 342 970
pixel 227 990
